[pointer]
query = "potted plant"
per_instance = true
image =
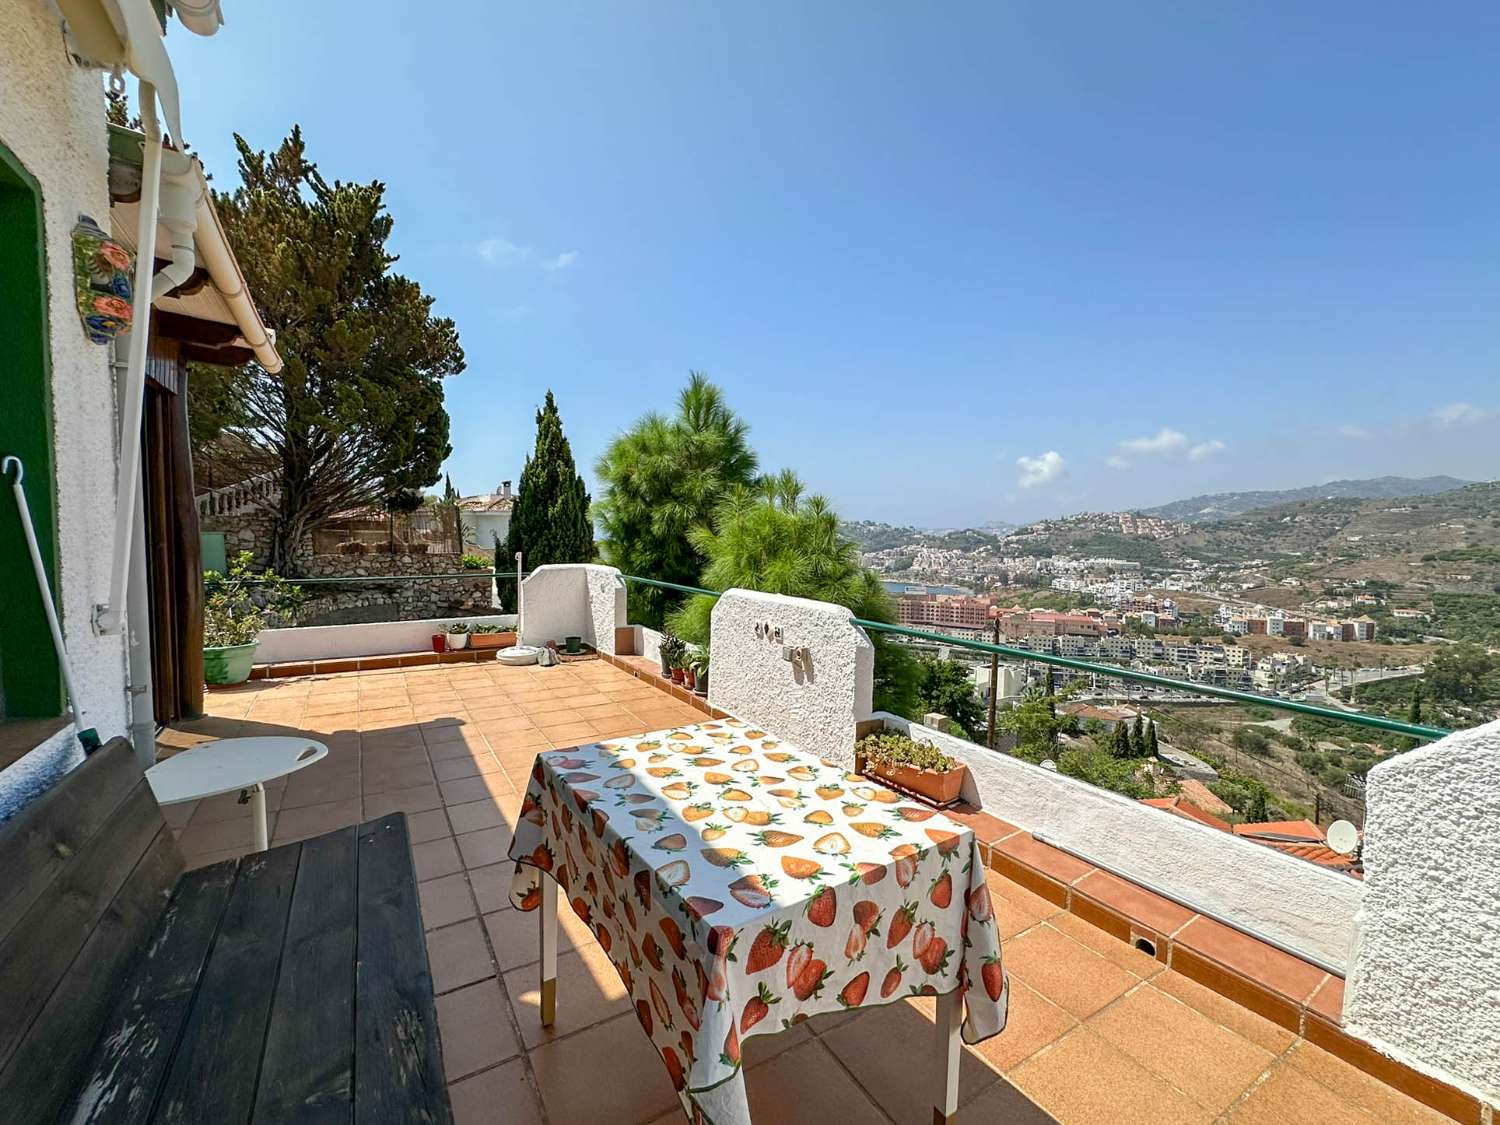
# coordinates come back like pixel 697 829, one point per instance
pixel 440 642
pixel 689 675
pixel 671 653
pixel 491 636
pixel 458 636
pixel 235 608
pixel 919 768
pixel 700 668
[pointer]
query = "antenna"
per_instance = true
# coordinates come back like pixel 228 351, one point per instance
pixel 1343 837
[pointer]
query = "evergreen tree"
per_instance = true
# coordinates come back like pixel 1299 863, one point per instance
pixel 662 478
pixel 1122 747
pixel 1255 813
pixel 1137 738
pixel 945 687
pixel 1151 740
pixel 550 520
pixel 356 414
pixel 772 538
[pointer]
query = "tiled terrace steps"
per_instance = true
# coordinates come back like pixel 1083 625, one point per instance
pixel 1294 996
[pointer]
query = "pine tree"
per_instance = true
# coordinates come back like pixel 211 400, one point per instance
pixel 1151 740
pixel 661 479
pixel 550 521
pixel 1137 738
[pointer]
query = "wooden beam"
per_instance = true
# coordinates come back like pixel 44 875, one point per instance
pixel 192 329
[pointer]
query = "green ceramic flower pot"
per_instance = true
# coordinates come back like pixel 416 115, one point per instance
pixel 230 664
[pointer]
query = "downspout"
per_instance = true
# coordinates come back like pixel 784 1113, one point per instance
pixel 138 646
pixel 181 216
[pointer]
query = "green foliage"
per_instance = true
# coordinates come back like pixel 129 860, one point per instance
pixel 473 562
pixel 550 520
pixel 891 748
pixel 772 538
pixel 1466 617
pixel 1151 748
pixel 1246 795
pixel 1464 674
pixel 662 478
pixel 235 608
pixel 1035 723
pixel 1251 741
pixel 944 686
pixel 673 650
pixel 1104 769
pixel 1122 748
pixel 356 414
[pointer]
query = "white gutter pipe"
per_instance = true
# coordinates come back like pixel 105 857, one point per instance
pixel 222 267
pixel 109 617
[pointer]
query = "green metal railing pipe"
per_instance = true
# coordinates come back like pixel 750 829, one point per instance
pixel 1357 718
pixel 670 586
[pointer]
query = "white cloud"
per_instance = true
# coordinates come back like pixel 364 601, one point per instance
pixel 1205 449
pixel 1350 430
pixel 501 252
pixel 562 261
pixel 1039 470
pixel 1165 441
pixel 1461 414
pixel 1114 461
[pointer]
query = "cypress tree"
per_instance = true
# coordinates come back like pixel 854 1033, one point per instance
pixel 1151 740
pixel 1122 748
pixel 550 522
pixel 1137 738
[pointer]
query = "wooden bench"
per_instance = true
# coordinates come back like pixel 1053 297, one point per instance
pixel 288 986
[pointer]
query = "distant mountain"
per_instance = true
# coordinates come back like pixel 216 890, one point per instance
pixel 870 535
pixel 1225 505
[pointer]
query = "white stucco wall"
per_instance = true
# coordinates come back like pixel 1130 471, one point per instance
pixel 1299 904
pixel 480 530
pixel 584 601
pixel 814 706
pixel 1425 984
pixel 52 120
pixel 375 638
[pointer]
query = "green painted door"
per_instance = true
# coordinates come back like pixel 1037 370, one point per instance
pixel 30 684
pixel 211 545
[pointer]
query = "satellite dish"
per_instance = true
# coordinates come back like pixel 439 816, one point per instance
pixel 1343 837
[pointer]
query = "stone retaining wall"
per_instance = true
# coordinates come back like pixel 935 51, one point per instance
pixel 362 601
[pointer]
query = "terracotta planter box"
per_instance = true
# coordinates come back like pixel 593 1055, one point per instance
pixel 941 788
pixel 491 640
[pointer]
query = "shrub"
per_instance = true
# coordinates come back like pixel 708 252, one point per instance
pixel 890 748
pixel 352 547
pixel 235 608
pixel 473 562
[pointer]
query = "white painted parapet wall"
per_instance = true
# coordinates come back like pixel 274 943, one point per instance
pixel 581 600
pixel 1425 986
pixel 813 702
pixel 369 638
pixel 1306 908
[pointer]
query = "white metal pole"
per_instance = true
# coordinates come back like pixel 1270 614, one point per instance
pixel 520 605
pixel 44 588
pixel 549 948
pixel 110 617
pixel 950 1011
pixel 138 642
pixel 261 833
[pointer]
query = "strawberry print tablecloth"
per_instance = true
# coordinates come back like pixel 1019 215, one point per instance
pixel 740 886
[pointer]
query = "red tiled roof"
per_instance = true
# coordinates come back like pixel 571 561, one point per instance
pixel 1298 829
pixel 1187 810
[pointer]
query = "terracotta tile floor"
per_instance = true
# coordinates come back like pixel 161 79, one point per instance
pixel 1098 1032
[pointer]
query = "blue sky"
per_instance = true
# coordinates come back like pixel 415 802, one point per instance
pixel 952 263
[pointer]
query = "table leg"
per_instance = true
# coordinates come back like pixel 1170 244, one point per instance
pixel 950 1017
pixel 258 817
pixel 549 949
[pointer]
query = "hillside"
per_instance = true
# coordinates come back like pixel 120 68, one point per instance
pixel 869 535
pixel 1224 505
pixel 1450 540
